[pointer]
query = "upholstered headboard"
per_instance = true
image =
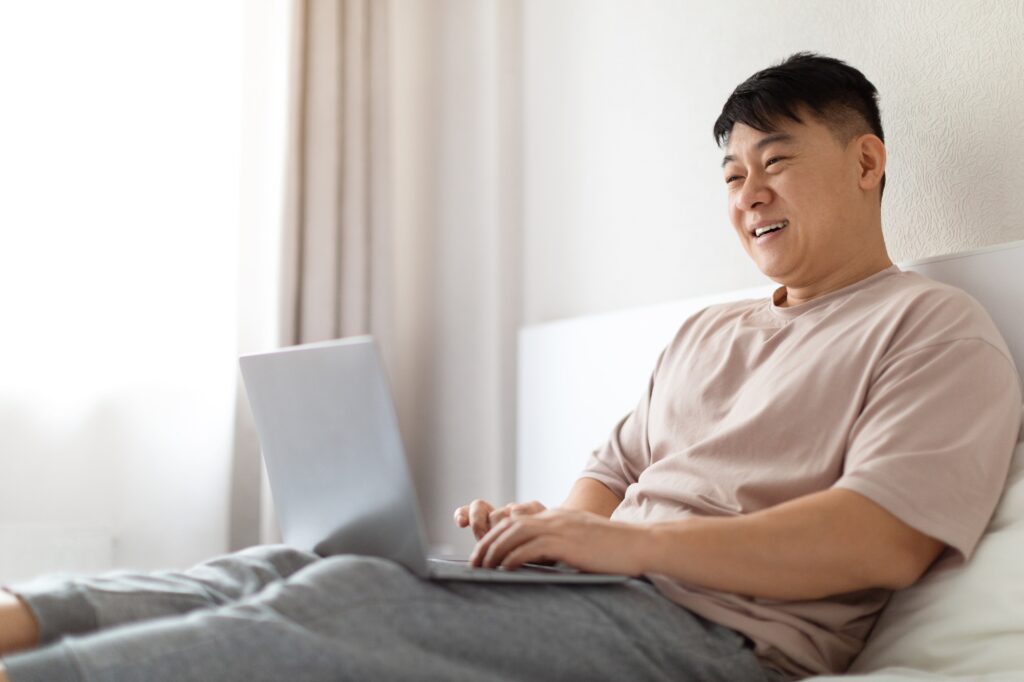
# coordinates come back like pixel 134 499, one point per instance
pixel 578 377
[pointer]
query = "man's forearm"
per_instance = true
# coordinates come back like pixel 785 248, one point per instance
pixel 589 494
pixel 826 543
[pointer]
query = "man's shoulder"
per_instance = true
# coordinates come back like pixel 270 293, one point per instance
pixel 913 287
pixel 927 312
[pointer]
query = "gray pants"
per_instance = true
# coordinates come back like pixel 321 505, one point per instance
pixel 273 613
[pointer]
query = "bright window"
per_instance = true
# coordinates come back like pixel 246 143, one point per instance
pixel 120 167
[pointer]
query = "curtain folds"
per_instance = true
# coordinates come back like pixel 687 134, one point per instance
pixel 402 220
pixel 326 278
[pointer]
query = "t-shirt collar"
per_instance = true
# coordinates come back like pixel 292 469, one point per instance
pixel 792 312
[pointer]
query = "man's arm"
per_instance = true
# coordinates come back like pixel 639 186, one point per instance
pixel 826 543
pixel 589 494
pixel 830 542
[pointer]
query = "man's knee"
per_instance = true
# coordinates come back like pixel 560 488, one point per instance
pixel 356 574
pixel 261 564
pixel 279 555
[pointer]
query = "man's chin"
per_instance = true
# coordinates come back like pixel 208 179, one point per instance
pixel 773 270
pixel 776 266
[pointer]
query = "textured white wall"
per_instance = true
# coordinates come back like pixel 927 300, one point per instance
pixel 623 198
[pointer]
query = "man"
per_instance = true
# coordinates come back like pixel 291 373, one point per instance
pixel 792 462
pixel 796 460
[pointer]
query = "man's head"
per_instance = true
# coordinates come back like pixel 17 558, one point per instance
pixel 805 148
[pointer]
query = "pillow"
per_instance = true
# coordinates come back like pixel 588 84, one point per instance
pixel 967 619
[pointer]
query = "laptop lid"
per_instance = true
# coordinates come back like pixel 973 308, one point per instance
pixel 334 456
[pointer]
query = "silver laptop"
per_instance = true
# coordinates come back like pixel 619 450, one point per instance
pixel 337 469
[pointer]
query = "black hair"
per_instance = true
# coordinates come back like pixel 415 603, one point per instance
pixel 838 94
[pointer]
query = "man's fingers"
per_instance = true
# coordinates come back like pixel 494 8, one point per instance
pixel 507 536
pixel 538 550
pixel 513 509
pixel 479 517
pixel 533 507
pixel 483 543
pixel 499 514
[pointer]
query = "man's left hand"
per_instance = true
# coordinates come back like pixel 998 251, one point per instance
pixel 583 540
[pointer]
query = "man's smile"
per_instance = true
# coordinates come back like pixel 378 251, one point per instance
pixel 763 230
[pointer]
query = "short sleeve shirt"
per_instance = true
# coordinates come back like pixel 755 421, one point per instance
pixel 896 387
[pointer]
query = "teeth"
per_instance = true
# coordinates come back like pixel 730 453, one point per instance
pixel 768 228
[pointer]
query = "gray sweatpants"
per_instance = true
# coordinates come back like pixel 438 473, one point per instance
pixel 274 613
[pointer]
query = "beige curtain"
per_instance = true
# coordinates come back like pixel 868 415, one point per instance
pixel 333 247
pixel 402 220
pixel 332 219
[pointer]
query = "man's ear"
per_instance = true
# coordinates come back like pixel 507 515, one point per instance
pixel 871 161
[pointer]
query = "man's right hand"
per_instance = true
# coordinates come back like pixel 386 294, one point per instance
pixel 480 515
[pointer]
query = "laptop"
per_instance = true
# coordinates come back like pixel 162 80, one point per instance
pixel 338 473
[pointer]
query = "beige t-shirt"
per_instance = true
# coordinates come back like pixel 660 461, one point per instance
pixel 896 387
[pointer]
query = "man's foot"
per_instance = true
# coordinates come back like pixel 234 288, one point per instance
pixel 18 627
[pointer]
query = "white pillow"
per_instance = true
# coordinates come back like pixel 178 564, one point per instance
pixel 964 620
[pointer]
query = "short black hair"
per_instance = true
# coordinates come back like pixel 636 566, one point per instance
pixel 838 94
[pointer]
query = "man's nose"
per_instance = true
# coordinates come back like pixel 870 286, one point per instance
pixel 753 193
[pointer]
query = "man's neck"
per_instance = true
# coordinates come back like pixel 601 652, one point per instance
pixel 793 296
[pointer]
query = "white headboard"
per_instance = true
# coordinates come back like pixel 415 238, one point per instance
pixel 578 377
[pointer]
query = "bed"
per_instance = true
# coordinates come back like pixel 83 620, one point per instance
pixel 963 623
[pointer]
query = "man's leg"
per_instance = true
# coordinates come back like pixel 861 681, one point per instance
pixel 356 618
pixel 43 610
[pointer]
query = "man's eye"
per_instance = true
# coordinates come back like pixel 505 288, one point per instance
pixel 731 178
pixel 774 159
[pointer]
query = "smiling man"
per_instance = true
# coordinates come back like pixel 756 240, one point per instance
pixel 792 462
pixel 805 199
pixel 795 460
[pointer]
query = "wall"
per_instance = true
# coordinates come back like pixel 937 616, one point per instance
pixel 623 198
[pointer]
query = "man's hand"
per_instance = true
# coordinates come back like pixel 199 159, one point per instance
pixel 583 540
pixel 481 516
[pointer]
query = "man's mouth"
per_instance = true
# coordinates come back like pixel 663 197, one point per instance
pixel 774 227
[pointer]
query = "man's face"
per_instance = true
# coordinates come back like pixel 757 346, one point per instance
pixel 798 175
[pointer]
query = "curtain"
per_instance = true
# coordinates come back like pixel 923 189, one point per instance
pixel 402 220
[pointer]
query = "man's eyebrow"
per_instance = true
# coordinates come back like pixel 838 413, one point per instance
pixel 761 144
